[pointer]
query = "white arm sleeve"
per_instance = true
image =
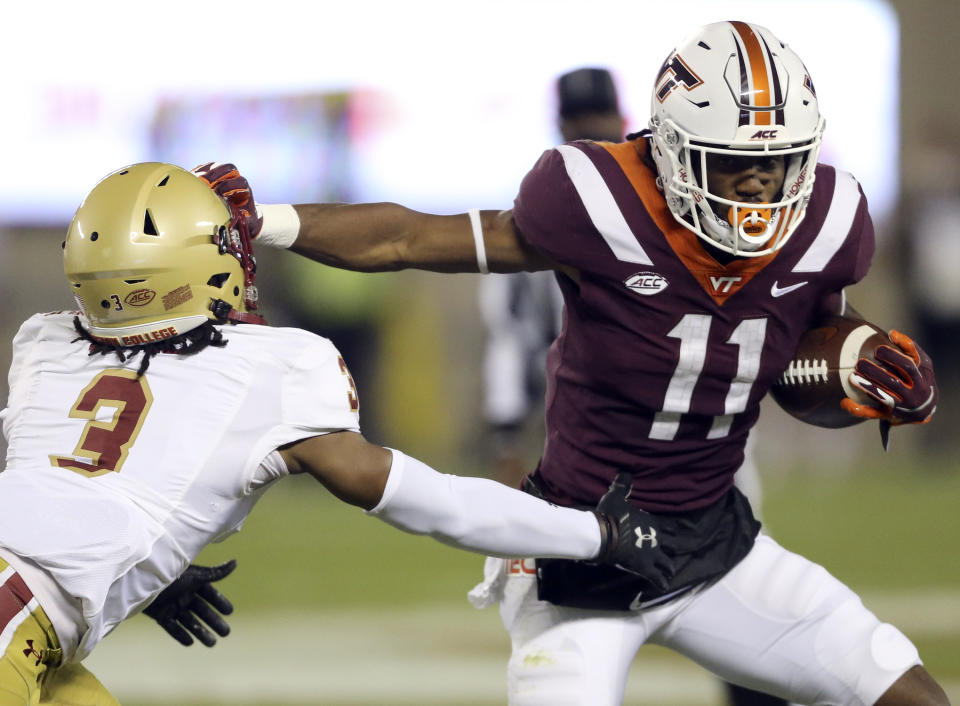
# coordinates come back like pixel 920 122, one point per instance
pixel 482 515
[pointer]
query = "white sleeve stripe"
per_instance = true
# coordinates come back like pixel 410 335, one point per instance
pixel 601 206
pixel 477 228
pixel 836 226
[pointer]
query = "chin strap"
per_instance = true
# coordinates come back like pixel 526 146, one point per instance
pixel 235 240
pixel 224 313
pixel 245 317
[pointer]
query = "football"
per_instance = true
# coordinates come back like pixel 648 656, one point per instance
pixel 817 378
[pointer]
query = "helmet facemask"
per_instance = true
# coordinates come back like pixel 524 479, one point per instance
pixel 234 239
pixel 748 229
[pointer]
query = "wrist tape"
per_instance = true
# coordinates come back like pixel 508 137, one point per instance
pixel 281 225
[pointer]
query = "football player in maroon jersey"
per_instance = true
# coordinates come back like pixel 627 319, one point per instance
pixel 691 258
pixel 522 312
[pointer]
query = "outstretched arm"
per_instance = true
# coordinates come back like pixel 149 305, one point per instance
pixel 476 514
pixel 387 236
pixel 469 513
pixel 379 237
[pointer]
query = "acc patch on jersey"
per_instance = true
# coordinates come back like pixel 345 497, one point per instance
pixel 646 283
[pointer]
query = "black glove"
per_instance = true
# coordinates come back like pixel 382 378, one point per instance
pixel 181 606
pixel 631 538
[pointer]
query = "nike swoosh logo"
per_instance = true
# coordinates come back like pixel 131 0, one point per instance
pixel 637 604
pixel 780 291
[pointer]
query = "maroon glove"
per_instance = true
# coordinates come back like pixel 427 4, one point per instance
pixel 234 189
pixel 901 381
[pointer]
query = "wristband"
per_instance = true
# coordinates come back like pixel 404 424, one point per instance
pixel 477 229
pixel 281 225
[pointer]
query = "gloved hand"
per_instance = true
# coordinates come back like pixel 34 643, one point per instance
pixel 226 180
pixel 632 539
pixel 183 606
pixel 901 380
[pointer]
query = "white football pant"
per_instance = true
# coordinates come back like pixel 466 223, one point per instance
pixel 776 623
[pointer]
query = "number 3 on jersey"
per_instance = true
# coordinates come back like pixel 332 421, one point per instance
pixel 106 443
pixel 352 397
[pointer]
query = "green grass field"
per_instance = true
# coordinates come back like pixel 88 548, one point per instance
pixel 884 532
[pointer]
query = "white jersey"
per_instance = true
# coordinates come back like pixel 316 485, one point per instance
pixel 114 483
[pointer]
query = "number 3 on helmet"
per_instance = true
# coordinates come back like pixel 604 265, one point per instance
pixel 734 89
pixel 153 252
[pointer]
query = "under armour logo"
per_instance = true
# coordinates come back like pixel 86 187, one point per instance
pixel 651 537
pixel 30 651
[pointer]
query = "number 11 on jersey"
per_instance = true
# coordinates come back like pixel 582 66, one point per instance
pixel 694 333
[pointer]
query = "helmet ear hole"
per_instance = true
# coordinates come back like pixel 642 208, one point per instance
pixel 218 280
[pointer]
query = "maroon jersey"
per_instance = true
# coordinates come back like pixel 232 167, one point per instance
pixel 665 352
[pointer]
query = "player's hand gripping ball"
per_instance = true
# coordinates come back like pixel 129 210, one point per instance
pixel 900 378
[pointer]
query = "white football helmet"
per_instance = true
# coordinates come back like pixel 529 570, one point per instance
pixel 733 88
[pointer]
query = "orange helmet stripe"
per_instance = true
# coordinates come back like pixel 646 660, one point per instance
pixel 762 94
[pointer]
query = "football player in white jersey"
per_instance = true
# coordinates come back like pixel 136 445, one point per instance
pixel 692 257
pixel 146 425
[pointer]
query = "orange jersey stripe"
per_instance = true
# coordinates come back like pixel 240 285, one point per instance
pixel 719 281
pixel 762 91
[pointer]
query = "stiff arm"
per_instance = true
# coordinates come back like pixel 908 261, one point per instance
pixel 386 236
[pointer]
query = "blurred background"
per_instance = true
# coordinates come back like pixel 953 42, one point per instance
pixel 442 107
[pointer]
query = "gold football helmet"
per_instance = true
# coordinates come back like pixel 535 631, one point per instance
pixel 153 252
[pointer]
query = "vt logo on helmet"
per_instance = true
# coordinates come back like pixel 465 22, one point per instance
pixel 153 252
pixel 734 94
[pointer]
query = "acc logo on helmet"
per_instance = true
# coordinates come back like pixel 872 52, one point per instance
pixel 140 297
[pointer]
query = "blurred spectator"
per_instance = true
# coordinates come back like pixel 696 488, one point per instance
pixel 930 251
pixel 523 311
